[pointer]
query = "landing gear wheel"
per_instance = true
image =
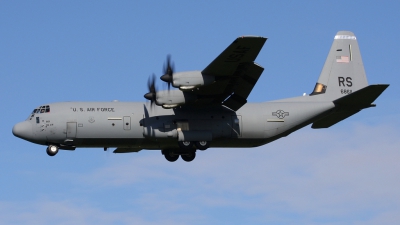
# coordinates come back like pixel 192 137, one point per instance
pixel 202 145
pixel 52 150
pixel 185 145
pixel 171 156
pixel 188 157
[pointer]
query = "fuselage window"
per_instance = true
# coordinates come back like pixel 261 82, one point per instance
pixel 37 120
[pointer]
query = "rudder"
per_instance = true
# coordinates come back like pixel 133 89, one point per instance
pixel 343 72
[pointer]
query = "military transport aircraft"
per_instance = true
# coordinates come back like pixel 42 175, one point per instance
pixel 208 108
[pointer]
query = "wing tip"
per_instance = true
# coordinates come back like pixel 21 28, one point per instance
pixel 252 36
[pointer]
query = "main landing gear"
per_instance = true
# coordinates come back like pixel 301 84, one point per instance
pixel 52 150
pixel 173 155
pixel 202 145
pixel 170 155
pixel 186 150
pixel 188 156
pixel 188 145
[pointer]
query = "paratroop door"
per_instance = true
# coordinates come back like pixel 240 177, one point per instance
pixel 71 129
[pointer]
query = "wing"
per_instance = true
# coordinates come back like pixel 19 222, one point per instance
pixel 235 74
pixel 242 50
pixel 228 80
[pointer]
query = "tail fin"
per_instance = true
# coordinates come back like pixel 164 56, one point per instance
pixel 343 72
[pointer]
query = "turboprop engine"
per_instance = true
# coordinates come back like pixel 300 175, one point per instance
pixel 184 80
pixel 191 79
pixel 173 98
pixel 167 98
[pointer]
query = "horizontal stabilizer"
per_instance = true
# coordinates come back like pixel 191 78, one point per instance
pixel 363 97
pixel 333 119
pixel 351 104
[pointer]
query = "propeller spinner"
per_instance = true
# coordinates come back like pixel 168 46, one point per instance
pixel 168 71
pixel 152 94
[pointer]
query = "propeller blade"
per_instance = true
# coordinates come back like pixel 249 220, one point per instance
pixel 151 86
pixel 168 71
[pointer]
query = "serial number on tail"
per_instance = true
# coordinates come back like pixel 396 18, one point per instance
pixel 346 91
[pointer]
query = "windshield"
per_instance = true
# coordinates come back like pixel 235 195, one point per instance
pixel 42 109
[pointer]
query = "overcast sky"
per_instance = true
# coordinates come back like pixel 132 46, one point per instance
pixel 52 51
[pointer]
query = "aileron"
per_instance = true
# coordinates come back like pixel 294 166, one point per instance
pixel 243 49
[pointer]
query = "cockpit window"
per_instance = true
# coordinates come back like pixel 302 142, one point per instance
pixel 42 109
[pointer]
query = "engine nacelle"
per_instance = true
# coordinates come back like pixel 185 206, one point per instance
pixel 173 98
pixel 191 79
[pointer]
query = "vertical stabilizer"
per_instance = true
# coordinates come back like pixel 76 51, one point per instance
pixel 343 72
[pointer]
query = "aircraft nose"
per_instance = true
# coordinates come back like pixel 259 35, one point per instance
pixel 23 130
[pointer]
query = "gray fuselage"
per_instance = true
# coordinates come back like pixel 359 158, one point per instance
pixel 140 126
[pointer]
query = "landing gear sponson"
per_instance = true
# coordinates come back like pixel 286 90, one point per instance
pixel 187 150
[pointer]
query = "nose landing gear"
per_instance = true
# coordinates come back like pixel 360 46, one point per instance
pixel 52 150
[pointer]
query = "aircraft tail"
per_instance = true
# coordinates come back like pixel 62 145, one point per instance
pixel 344 82
pixel 343 72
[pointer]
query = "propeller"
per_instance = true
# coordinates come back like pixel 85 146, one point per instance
pixel 168 71
pixel 152 94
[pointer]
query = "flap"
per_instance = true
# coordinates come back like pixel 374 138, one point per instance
pixel 242 85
